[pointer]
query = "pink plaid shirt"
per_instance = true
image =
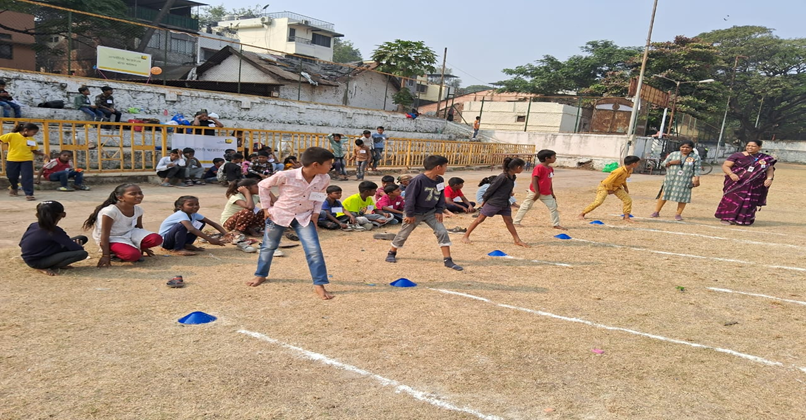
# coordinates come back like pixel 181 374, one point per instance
pixel 297 200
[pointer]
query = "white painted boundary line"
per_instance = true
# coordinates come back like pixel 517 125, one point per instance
pixel 702 257
pixel 715 227
pixel 716 289
pixel 536 261
pixel 629 331
pixel 744 241
pixel 399 388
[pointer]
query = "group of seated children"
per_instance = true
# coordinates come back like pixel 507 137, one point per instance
pixel 181 167
pixel 361 211
pixel 234 166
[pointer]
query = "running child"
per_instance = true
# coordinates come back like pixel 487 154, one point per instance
pixel 542 189
pixel 181 229
pixel 61 169
pixel 496 200
pixel 45 246
pixel 241 214
pixel 425 203
pixel 117 226
pixel 615 183
pixel 331 208
pixel 20 158
pixel 302 192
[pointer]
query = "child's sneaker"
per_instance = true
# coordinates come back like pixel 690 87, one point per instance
pixel 278 253
pixel 391 257
pixel 246 247
pixel 81 187
pixel 450 264
pixel 63 189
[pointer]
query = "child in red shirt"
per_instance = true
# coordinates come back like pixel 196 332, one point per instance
pixel 61 169
pixel 542 189
pixel 392 202
pixel 453 191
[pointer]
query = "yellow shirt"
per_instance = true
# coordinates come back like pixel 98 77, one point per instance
pixel 617 179
pixel 20 148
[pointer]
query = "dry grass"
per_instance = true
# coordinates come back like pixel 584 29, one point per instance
pixel 105 343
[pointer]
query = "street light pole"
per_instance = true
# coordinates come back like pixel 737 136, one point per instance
pixel 676 92
pixel 637 100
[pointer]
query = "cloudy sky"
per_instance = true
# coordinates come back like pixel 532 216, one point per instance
pixel 484 37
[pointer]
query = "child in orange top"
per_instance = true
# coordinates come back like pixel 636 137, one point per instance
pixel 615 183
pixel 361 157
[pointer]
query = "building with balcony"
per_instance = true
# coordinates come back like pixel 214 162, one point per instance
pixel 284 32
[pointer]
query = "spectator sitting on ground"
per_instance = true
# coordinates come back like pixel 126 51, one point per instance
pixel 455 200
pixel 362 204
pixel 82 103
pixel 194 171
pixel 331 208
pixel 7 102
pixel 171 168
pixel 106 104
pixel 278 166
pixel 386 180
pixel 231 171
pixel 228 154
pixel 291 163
pixel 61 169
pixel 260 168
pixel 391 202
pixel 211 175
pixel 203 119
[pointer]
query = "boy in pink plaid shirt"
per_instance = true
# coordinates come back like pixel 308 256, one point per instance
pixel 302 192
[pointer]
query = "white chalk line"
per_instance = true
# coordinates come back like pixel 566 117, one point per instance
pixel 536 261
pixel 746 356
pixel 734 229
pixel 702 257
pixel 399 388
pixel 717 289
pixel 744 241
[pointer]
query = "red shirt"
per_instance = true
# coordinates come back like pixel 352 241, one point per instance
pixel 56 165
pixel 450 194
pixel 397 204
pixel 544 175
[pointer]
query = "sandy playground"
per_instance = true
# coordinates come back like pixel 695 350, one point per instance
pixel 652 320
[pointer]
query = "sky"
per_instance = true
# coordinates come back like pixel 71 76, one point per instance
pixel 484 37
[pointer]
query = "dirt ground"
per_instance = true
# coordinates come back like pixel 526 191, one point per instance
pixel 513 338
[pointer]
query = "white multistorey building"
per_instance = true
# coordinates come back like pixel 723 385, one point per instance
pixel 284 32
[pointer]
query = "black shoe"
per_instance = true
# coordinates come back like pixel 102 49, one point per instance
pixel 450 264
pixel 391 258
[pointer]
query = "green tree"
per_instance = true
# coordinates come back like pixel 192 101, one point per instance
pixel 550 76
pixel 211 15
pixel 345 51
pixel 405 58
pixel 474 89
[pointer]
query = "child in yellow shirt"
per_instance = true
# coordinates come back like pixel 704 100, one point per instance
pixel 616 184
pixel 20 158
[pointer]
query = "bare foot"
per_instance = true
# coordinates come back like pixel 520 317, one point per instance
pixel 257 281
pixel 48 272
pixel 322 293
pixel 466 240
pixel 581 216
pixel 523 244
pixel 193 248
pixel 559 227
pixel 627 219
pixel 182 253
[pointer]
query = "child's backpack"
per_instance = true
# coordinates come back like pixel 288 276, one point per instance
pixel 221 176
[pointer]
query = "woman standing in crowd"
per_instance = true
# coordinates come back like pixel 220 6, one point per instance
pixel 748 177
pixel 682 175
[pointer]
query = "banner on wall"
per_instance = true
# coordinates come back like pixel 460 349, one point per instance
pixel 207 147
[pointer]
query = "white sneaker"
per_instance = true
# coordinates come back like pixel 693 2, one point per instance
pixel 246 247
pixel 278 253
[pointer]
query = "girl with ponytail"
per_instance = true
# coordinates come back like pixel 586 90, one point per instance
pixel 45 246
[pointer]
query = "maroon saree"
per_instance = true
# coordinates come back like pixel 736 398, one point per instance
pixel 741 199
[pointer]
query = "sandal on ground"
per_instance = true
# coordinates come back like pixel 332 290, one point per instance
pixel 30 198
pixel 176 282
pixel 81 187
pixel 678 217
pixel 246 247
pixel 457 229
pixel 384 236
pixel 166 184
pixel 64 189
pixel 655 214
pixel 292 236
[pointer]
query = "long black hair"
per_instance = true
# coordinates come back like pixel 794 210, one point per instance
pixel 511 163
pixel 233 186
pixel 112 199
pixel 48 214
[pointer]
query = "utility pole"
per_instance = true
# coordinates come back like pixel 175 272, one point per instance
pixel 442 80
pixel 637 100
pixel 727 104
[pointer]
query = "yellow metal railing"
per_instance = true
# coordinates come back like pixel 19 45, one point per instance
pixel 137 147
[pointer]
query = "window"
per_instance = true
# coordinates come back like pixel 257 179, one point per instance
pixel 182 46
pixel 321 40
pixel 422 88
pixel 156 41
pixel 521 118
pixel 292 33
pixel 6 50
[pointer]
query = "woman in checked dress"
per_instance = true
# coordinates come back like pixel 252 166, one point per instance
pixel 682 174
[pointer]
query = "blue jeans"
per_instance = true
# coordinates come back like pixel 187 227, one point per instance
pixel 377 155
pixel 63 176
pixel 8 106
pixel 178 237
pixel 94 113
pixel 278 167
pixel 360 167
pixel 25 169
pixel 310 244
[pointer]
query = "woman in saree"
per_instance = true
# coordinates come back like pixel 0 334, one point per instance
pixel 682 174
pixel 748 177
